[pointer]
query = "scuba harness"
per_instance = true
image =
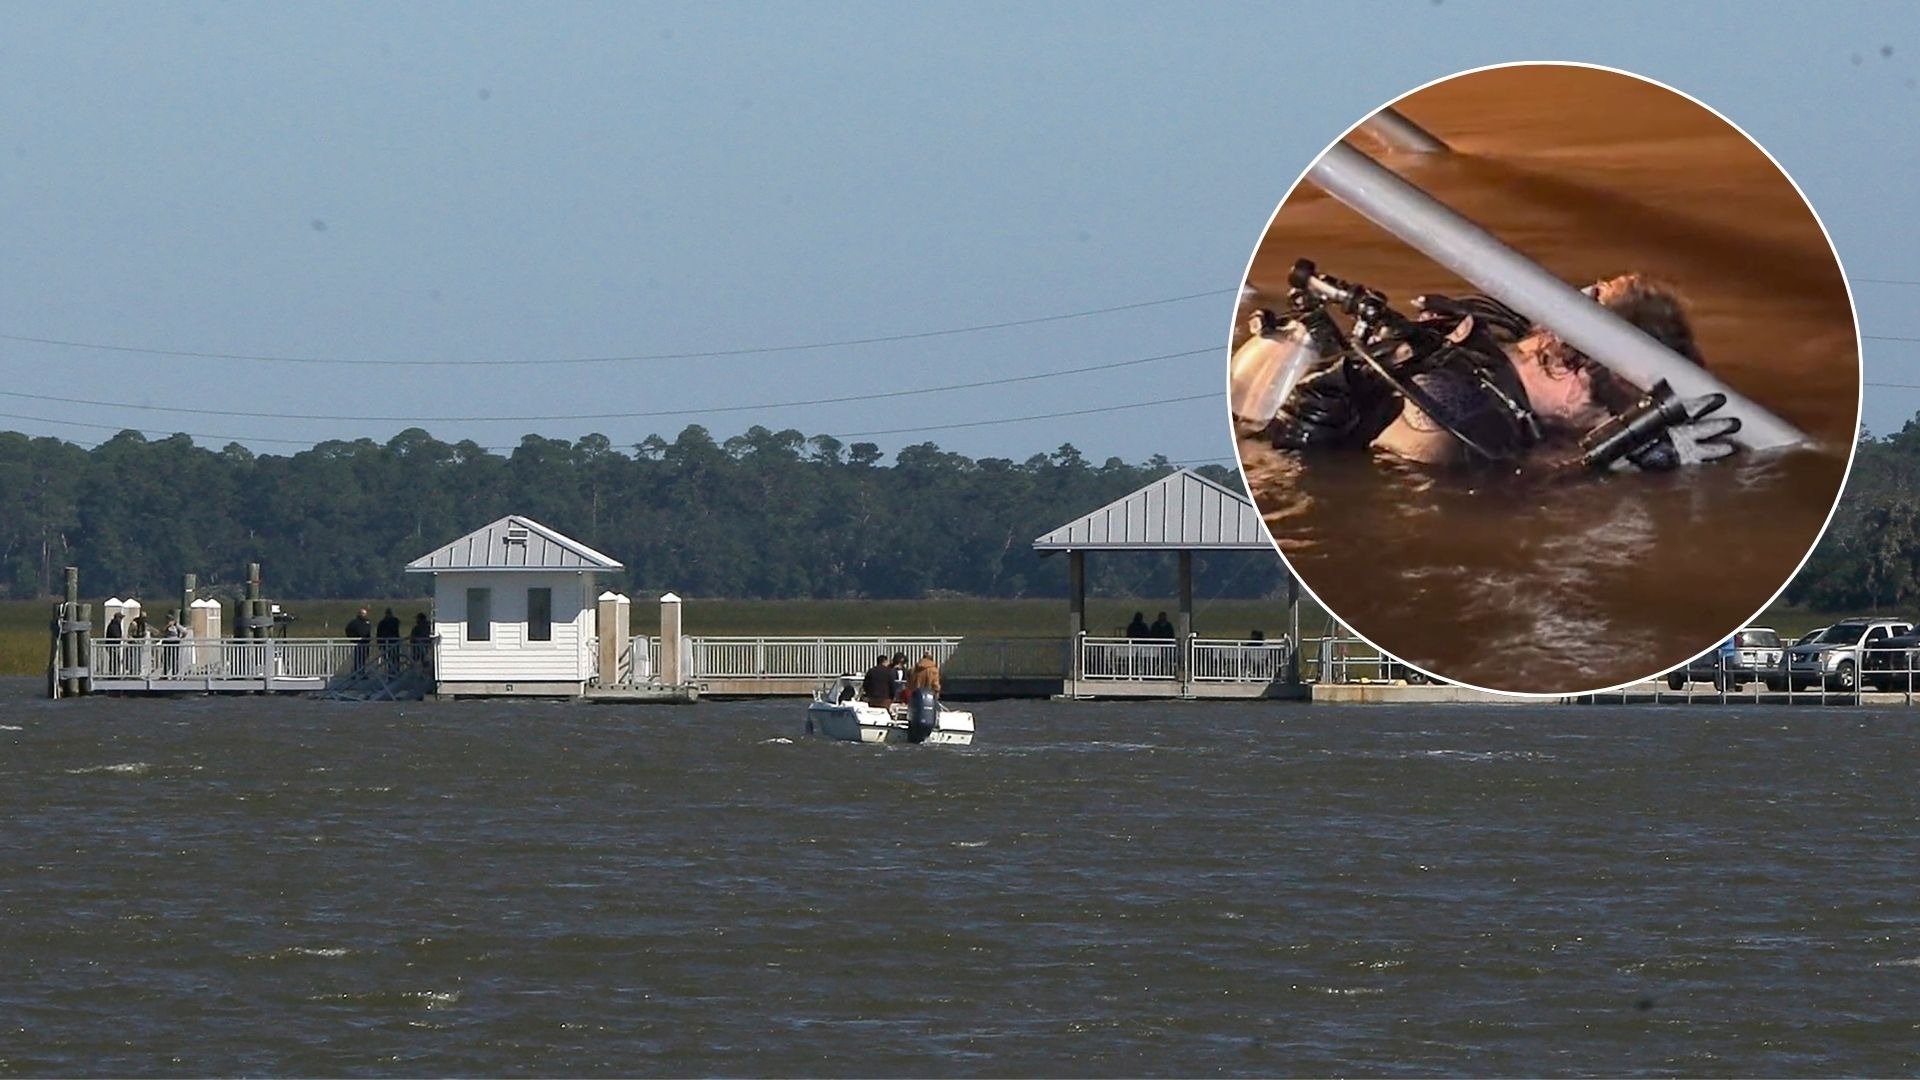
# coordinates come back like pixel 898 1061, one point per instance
pixel 1317 385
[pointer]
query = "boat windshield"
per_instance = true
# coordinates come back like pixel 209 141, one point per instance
pixel 1846 633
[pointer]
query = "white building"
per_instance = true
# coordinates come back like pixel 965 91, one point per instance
pixel 513 606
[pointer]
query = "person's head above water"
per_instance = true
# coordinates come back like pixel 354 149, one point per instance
pixel 1572 391
pixel 1566 392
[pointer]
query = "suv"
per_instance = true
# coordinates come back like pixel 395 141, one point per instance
pixel 1755 654
pixel 1837 658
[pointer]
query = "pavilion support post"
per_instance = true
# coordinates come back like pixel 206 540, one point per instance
pixel 250 610
pixel 1076 617
pixel 1184 653
pixel 189 590
pixel 1293 626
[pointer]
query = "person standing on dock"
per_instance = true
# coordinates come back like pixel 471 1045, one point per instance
pixel 170 649
pixel 116 659
pixel 1162 628
pixel 141 636
pixel 1138 627
pixel 388 635
pixel 360 629
pixel 421 637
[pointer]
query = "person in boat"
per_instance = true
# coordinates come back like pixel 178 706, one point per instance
pixel 1138 627
pixel 923 711
pixel 1500 389
pixel 900 677
pixel 877 685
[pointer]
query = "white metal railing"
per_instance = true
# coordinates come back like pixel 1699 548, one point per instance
pixel 795 658
pixel 1128 658
pixel 1239 661
pixel 195 660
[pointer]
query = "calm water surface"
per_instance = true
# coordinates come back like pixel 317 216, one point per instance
pixel 251 886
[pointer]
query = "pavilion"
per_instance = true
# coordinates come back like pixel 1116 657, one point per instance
pixel 1182 512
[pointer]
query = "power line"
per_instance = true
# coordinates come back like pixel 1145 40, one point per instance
pixel 154 432
pixel 617 416
pixel 919 335
pixel 1022 419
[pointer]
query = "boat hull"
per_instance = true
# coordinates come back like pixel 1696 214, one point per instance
pixel 856 721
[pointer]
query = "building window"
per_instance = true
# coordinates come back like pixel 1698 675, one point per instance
pixel 539 614
pixel 479 614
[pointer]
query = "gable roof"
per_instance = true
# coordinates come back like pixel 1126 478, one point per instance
pixel 1180 511
pixel 512 543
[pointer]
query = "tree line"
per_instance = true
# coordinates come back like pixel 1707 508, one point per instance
pixel 762 515
pixel 1869 559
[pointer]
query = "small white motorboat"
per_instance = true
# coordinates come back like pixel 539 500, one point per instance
pixel 838 712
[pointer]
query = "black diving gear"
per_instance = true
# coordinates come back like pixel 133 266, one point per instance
pixel 1448 362
pixel 1663 431
pixel 1451 364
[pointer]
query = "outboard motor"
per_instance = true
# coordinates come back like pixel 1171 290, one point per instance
pixel 923 715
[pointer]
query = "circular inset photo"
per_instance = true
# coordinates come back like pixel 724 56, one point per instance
pixel 1545 378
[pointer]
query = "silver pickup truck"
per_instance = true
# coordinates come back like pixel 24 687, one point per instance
pixel 1837 658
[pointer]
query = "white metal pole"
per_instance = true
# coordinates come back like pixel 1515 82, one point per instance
pixel 1392 127
pixel 1425 223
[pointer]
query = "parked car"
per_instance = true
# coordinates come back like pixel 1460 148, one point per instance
pixel 1837 659
pixel 1755 654
pixel 1892 664
pixel 1809 636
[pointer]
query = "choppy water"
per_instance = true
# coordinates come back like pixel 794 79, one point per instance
pixel 250 886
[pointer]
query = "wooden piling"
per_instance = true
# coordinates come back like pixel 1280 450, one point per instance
pixel 70 635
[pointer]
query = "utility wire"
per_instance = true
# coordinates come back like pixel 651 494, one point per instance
pixel 618 415
pixel 507 449
pixel 1022 419
pixel 920 335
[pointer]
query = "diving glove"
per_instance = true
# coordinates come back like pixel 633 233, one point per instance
pixel 1663 432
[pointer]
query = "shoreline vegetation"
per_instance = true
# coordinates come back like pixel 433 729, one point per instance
pixel 808 536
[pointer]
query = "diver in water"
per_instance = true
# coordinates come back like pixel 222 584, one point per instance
pixel 1468 381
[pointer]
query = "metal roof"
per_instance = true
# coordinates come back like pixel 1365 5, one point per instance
pixel 513 543
pixel 1181 511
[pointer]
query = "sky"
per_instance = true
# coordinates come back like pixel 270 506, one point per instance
pixel 390 216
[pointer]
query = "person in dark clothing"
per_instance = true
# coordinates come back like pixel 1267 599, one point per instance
pixel 1162 628
pixel 421 637
pixel 360 629
pixel 877 686
pixel 900 677
pixel 1138 627
pixel 113 659
pixel 388 634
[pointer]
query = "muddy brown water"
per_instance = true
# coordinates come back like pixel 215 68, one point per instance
pixel 1517 584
